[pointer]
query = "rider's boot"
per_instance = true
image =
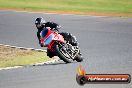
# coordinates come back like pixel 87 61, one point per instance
pixel 73 40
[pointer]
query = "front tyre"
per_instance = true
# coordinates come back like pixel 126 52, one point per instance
pixel 62 55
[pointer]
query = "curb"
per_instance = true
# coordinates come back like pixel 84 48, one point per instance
pixel 24 48
pixel 55 60
pixel 7 68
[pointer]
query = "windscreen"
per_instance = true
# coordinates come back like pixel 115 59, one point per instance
pixel 49 39
pixel 44 32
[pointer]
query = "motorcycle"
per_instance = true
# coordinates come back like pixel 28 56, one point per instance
pixel 59 46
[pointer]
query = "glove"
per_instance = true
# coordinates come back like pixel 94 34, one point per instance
pixel 41 45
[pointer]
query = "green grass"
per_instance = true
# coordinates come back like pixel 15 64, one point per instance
pixel 24 60
pixel 17 57
pixel 83 6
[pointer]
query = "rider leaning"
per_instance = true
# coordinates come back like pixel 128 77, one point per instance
pixel 41 23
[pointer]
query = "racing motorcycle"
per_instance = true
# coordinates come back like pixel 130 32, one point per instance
pixel 59 46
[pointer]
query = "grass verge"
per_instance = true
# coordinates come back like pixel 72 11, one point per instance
pixel 16 57
pixel 95 7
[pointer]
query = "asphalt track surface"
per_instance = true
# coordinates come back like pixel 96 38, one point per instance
pixel 105 42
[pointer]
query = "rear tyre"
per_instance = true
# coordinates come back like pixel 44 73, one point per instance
pixel 79 58
pixel 61 55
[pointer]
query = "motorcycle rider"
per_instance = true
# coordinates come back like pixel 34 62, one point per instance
pixel 41 23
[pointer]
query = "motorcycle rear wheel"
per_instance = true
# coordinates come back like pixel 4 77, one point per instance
pixel 79 58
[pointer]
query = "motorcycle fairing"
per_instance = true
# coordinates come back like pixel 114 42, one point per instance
pixel 50 37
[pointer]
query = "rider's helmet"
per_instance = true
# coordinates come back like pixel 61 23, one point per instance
pixel 40 22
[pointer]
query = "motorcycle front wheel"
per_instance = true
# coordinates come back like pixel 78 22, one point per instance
pixel 62 54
